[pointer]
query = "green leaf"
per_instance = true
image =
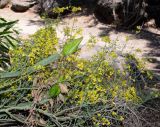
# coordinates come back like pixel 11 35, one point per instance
pixel 2 20
pixel 4 33
pixel 4 24
pixel 54 91
pixel 31 69
pixel 71 46
pixel 48 60
pixel 7 40
pixel 3 48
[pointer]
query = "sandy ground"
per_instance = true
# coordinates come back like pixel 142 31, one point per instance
pixel 148 42
pixel 28 22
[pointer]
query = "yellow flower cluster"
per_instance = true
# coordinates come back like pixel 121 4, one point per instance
pixel 80 66
pixel 60 10
pixel 90 81
pixel 93 82
pixel 130 94
pixel 99 120
pixel 41 45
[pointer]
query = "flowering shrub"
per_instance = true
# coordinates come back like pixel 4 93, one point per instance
pixel 42 44
pixel 70 91
pixel 97 83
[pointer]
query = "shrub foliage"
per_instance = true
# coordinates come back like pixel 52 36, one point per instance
pixel 7 41
pixel 52 86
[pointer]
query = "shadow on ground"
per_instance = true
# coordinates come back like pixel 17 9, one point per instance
pixel 152 38
pixel 36 22
pixel 153 54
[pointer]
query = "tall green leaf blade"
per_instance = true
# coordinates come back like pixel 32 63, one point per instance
pixel 10 74
pixel 3 48
pixel 48 60
pixel 32 69
pixel 6 40
pixel 4 24
pixel 71 46
pixel 4 33
pixel 2 19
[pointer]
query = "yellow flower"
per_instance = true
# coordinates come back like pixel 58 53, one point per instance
pixel 75 9
pixel 80 66
pixel 29 78
pixel 93 118
pixel 108 123
pixel 114 113
pixel 114 93
pixel 121 118
pixel 69 59
pixel 98 114
pixel 113 54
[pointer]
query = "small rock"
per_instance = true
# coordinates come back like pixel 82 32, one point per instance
pixel 107 11
pixel 150 23
pixel 46 6
pixel 3 3
pixel 21 6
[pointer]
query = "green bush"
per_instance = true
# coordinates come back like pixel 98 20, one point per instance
pixel 64 90
pixel 42 44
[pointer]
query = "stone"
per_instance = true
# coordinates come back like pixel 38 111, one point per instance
pixel 107 11
pixel 21 5
pixel 3 3
pixel 46 6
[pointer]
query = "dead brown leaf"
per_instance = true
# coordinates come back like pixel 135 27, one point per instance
pixel 63 88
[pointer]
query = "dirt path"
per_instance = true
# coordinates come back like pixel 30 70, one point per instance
pixel 29 22
pixel 147 42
